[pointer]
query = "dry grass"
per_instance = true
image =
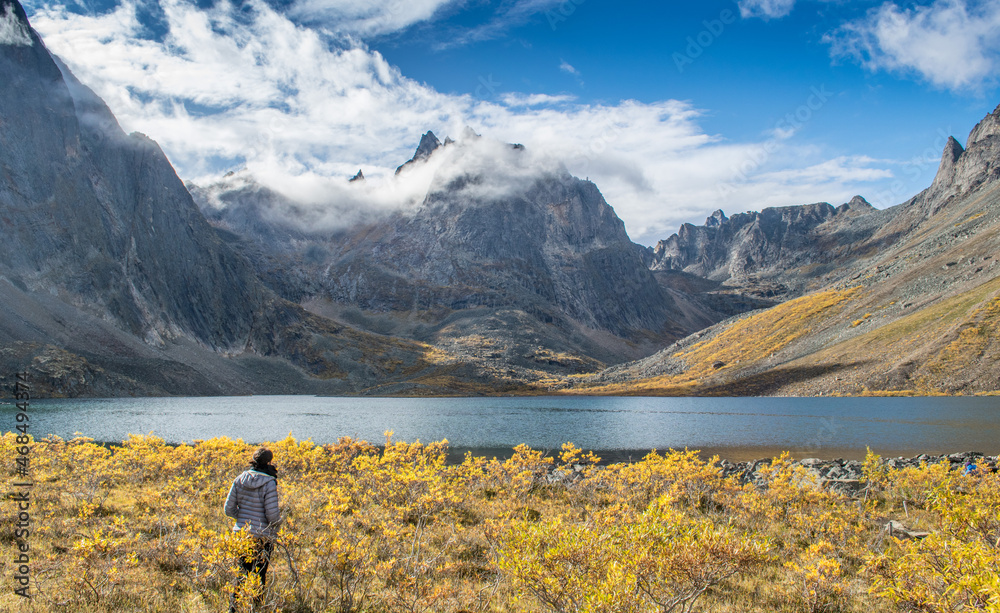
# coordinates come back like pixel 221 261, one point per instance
pixel 743 344
pixel 139 527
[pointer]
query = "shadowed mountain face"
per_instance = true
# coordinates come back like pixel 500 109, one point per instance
pixel 101 216
pixel 504 274
pixel 555 249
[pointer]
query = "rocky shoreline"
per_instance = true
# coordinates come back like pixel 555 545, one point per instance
pixel 837 475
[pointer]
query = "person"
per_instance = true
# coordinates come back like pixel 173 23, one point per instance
pixel 970 467
pixel 253 503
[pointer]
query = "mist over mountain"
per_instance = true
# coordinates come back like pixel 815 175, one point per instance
pixel 507 260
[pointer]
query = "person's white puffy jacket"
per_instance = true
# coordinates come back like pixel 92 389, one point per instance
pixel 253 502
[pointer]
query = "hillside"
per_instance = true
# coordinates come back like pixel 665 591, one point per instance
pixel 913 312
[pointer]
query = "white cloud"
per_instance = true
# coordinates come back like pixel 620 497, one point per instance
pixel 951 43
pixel 567 67
pixel 766 9
pixel 365 18
pixel 510 14
pixel 514 99
pixel 219 92
pixel 12 31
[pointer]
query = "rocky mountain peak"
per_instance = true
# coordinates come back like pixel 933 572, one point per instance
pixel 101 216
pixel 857 204
pixel 428 144
pixel 358 177
pixel 717 219
pixel 989 126
pixel 949 160
pixel 963 169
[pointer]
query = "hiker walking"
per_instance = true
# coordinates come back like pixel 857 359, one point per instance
pixel 253 503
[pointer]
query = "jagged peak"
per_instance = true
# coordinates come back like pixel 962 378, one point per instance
pixel 469 134
pixel 428 143
pixel 360 176
pixel 856 204
pixel 989 126
pixel 949 158
pixel 952 149
pixel 716 219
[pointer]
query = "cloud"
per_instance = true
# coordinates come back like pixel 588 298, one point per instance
pixel 766 9
pixel 567 67
pixel 366 18
pixel 12 31
pixel 226 88
pixel 510 14
pixel 951 43
pixel 470 169
pixel 514 99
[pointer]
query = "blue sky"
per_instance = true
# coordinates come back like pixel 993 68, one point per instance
pixel 673 109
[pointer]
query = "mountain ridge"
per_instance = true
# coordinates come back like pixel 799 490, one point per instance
pixel 917 315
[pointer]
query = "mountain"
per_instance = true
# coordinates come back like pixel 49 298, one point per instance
pixel 428 143
pixel 525 274
pixel 114 283
pixel 914 309
pixel 777 251
pixel 498 273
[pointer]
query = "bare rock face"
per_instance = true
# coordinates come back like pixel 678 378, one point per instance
pixel 964 169
pixel 101 215
pixel 428 144
pixel 784 242
pixel 107 263
pixel 557 249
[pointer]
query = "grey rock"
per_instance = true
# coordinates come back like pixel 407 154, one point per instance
pixel 428 144
pixel 536 271
pixel 900 531
pixel 102 217
pixel 117 283
pixel 772 242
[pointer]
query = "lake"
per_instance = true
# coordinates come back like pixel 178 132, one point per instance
pixel 619 427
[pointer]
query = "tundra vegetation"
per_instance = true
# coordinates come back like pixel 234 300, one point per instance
pixel 139 527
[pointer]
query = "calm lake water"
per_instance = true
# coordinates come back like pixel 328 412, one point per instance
pixel 736 428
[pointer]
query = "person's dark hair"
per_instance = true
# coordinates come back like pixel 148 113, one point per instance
pixel 261 458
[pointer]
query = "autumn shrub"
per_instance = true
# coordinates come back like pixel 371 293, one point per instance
pixel 139 526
